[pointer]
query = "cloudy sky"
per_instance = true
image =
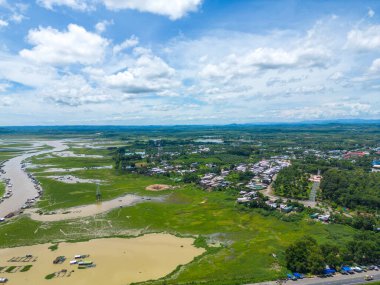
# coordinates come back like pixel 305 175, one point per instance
pixel 137 62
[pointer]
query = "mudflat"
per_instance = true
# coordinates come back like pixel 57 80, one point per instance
pixel 117 260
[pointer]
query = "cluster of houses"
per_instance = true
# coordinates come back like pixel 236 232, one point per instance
pixel 246 197
pixel 321 217
pixel 263 174
pixel 265 170
pixel 376 166
pixel 211 180
pixel 355 154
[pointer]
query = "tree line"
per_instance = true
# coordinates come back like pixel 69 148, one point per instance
pixel 307 256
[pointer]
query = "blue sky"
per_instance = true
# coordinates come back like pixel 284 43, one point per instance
pixel 135 62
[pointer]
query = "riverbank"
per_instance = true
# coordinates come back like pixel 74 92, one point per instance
pixel 21 184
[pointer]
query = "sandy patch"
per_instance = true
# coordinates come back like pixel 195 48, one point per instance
pixel 72 154
pixel 118 261
pixel 76 169
pixel 70 179
pixel 93 209
pixel 158 187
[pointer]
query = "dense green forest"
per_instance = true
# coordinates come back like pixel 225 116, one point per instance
pixel 292 182
pixel 352 189
pixel 307 256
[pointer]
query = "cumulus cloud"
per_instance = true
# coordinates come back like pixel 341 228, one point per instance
pixel 101 27
pixel 375 67
pixel 364 38
pixel 76 45
pixel 174 9
pixel 81 5
pixel 371 13
pixel 330 110
pixel 16 69
pixel 4 87
pixel 131 42
pixel 74 90
pixel 6 101
pixel 148 73
pixel 3 23
pixel 266 58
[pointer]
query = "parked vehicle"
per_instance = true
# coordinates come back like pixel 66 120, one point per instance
pixel 298 275
pixel 3 280
pixel 291 277
pixel 368 277
pixel 357 269
pixel 348 269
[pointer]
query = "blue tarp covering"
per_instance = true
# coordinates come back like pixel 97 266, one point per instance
pixel 346 268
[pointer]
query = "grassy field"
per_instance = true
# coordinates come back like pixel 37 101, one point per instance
pixel 63 195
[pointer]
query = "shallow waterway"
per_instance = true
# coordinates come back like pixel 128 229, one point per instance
pixel 22 185
pixel 118 261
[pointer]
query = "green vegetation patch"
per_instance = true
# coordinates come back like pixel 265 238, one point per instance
pixel 10 269
pixel 26 268
pixel 53 247
pixel 50 276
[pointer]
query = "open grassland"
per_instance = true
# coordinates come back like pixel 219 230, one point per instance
pixel 63 195
pixel 114 184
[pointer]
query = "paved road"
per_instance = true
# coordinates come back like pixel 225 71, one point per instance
pixel 356 279
pixel 269 193
pixel 313 192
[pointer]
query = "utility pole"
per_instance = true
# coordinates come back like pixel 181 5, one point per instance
pixel 98 194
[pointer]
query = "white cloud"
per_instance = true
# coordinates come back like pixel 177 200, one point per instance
pixel 76 45
pixel 131 42
pixel 101 27
pixel 364 39
pixel 371 13
pixel 375 67
pixel 266 58
pixel 4 87
pixel 74 90
pixel 332 110
pixel 3 23
pixel 17 18
pixel 16 69
pixel 147 74
pixel 174 9
pixel 5 101
pixel 81 5
pixel 15 12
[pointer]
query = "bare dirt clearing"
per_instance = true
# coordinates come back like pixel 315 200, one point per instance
pixel 159 187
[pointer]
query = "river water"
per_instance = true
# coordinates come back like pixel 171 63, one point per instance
pixel 22 185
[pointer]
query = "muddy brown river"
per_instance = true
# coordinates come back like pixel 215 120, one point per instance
pixel 117 261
